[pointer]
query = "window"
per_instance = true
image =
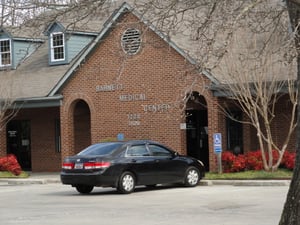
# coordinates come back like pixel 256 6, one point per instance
pixel 131 41
pixel 57 136
pixel 159 151
pixel 104 148
pixel 235 133
pixel 5 52
pixel 57 47
pixel 138 150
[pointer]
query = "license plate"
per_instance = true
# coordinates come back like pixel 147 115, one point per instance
pixel 78 166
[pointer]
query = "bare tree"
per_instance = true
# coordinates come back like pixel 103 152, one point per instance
pixel 255 74
pixel 7 107
pixel 211 27
pixel 291 211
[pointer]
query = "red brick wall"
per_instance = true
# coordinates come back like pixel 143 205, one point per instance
pixel 42 126
pixel 157 73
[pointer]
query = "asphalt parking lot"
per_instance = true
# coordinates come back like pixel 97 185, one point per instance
pixel 53 203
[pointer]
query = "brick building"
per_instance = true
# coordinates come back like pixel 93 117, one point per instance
pixel 111 80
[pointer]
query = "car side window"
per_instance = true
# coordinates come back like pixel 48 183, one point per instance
pixel 137 150
pixel 159 151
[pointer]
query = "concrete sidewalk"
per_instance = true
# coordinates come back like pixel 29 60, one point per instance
pixel 47 178
pixel 34 178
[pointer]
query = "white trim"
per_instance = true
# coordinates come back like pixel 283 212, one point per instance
pixel 58 46
pixel 10 53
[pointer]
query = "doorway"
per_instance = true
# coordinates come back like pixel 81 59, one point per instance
pixel 82 126
pixel 18 142
pixel 197 129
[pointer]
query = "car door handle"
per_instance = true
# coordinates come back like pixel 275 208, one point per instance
pixel 157 160
pixel 133 160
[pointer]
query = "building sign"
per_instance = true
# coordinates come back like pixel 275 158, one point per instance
pixel 156 108
pixel 134 119
pixel 109 87
pixel 132 97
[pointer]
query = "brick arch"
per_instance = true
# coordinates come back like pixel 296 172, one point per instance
pixel 68 135
pixel 71 101
pixel 214 117
pixel 197 137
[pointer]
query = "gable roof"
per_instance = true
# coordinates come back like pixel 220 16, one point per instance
pixel 125 7
pixel 34 79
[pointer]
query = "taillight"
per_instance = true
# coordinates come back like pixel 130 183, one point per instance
pixel 96 165
pixel 68 166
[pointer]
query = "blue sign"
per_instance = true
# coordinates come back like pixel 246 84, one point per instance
pixel 120 137
pixel 217 142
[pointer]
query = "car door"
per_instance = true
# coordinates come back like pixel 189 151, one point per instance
pixel 141 163
pixel 168 168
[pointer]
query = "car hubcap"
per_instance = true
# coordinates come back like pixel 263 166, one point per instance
pixel 192 177
pixel 128 182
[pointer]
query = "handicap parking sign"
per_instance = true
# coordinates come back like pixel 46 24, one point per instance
pixel 217 137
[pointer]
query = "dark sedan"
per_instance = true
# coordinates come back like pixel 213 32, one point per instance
pixel 126 164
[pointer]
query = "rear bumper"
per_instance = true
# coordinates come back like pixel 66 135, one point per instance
pixel 94 179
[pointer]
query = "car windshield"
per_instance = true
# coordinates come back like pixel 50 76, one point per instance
pixel 100 149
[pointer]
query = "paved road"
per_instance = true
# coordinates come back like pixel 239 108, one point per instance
pixel 55 204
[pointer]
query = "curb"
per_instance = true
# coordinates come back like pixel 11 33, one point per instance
pixel 245 182
pixel 28 181
pixel 51 180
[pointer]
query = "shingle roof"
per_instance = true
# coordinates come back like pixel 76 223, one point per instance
pixel 34 78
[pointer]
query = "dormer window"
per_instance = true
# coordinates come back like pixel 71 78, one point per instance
pixel 5 52
pixel 57 47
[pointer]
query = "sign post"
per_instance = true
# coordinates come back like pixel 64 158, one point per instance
pixel 217 138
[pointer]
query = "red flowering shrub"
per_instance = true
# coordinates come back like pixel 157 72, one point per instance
pixel 239 163
pixel 254 160
pixel 288 160
pixel 10 163
pixel 227 161
pixel 232 163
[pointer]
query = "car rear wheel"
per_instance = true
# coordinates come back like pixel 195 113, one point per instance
pixel 192 177
pixel 126 183
pixel 84 189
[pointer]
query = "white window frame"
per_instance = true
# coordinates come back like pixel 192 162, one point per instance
pixel 1 53
pixel 58 46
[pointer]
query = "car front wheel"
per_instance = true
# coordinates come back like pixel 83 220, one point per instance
pixel 126 183
pixel 192 177
pixel 84 189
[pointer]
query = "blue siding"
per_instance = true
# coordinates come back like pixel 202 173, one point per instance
pixel 4 36
pixel 56 27
pixel 75 44
pixel 22 49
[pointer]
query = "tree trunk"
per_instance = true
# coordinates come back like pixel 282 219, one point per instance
pixel 291 210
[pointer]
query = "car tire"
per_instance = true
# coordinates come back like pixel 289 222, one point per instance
pixel 126 183
pixel 192 177
pixel 84 189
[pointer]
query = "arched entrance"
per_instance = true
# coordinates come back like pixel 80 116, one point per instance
pixel 82 125
pixel 197 128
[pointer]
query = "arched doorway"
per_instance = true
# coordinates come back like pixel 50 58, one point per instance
pixel 197 128
pixel 82 125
